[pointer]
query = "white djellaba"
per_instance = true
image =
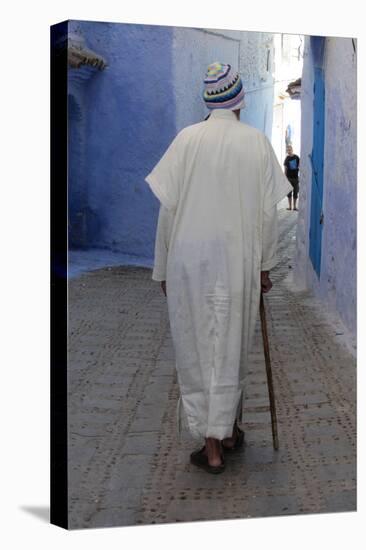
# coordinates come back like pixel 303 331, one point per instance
pixel 219 183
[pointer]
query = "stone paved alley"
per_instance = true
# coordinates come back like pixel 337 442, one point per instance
pixel 126 464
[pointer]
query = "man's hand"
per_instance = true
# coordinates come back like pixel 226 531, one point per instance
pixel 163 287
pixel 266 283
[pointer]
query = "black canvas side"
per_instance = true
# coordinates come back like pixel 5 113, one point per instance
pixel 59 489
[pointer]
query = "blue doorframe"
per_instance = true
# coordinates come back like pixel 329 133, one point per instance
pixel 317 156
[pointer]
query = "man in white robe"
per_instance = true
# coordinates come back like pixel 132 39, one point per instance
pixel 218 183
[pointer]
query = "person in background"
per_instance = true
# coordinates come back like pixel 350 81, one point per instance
pixel 292 163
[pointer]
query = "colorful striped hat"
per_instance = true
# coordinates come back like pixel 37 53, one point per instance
pixel 223 88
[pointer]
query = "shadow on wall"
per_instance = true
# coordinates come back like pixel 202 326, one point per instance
pixel 83 222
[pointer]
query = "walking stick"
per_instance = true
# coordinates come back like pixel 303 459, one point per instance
pixel 269 374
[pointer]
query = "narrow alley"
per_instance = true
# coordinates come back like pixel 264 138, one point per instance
pixel 127 465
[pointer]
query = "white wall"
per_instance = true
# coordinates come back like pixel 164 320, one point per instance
pixel 288 51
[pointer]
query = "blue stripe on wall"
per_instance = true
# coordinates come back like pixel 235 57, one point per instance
pixel 317 157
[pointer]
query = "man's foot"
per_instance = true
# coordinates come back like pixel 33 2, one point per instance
pixel 295 208
pixel 200 459
pixel 289 208
pixel 236 441
pixel 213 451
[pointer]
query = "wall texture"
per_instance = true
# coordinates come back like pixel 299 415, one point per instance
pixel 123 118
pixel 256 67
pixel 337 282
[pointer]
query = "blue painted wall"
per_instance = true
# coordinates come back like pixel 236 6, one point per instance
pixel 339 251
pixel 126 121
pixel 337 284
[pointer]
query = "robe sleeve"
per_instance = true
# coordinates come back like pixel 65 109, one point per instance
pixel 276 185
pixel 164 179
pixel 163 232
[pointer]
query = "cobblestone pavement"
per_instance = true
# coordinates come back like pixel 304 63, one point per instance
pixel 126 463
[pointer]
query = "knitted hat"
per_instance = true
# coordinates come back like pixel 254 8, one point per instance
pixel 223 88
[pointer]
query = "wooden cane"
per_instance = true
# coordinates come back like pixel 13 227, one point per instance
pixel 267 358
